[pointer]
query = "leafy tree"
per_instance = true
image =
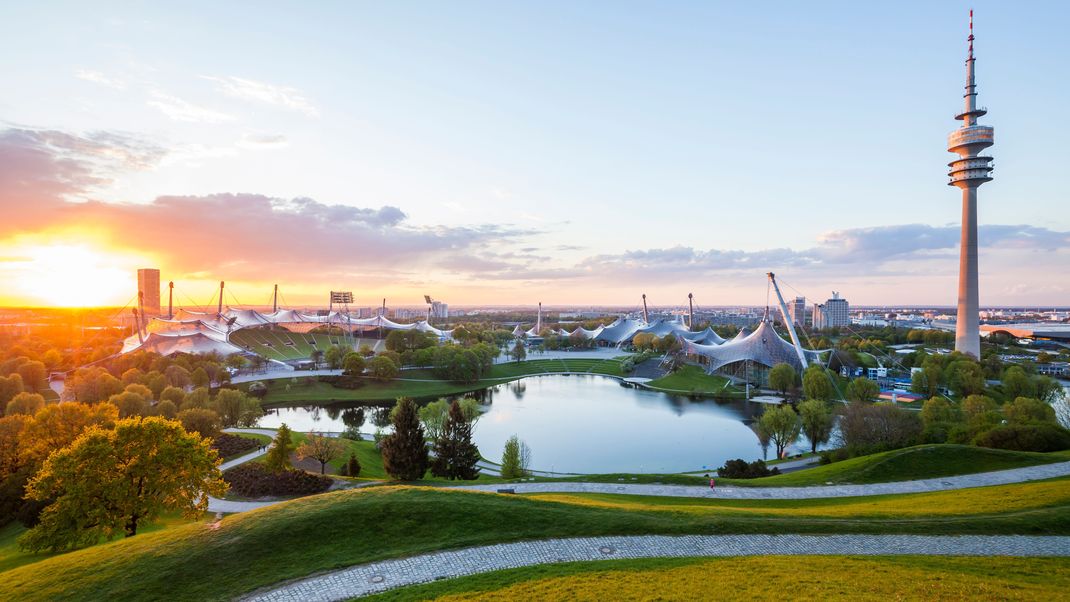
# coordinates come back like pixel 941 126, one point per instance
pixel 197 398
pixel 817 421
pixel 236 408
pixel 57 425
pixel 199 377
pixel 236 362
pixel 965 377
pixel 11 426
pixel 33 374
pixel 111 481
pixel 1048 389
pixel 316 356
pixel 455 454
pixel 129 404
pixel 782 425
pixel 352 467
pixel 862 389
pixel 519 351
pixel 166 409
pixel 1025 410
pixel 25 403
pixel 782 378
pixel 979 409
pixel 321 449
pixel 51 359
pixel 278 456
pixel 865 427
pixel 1016 383
pixel 816 383
pixel 516 458
pixel 353 363
pixel 383 368
pixel 405 451
pixel 10 386
pixel 333 356
pixel 936 410
pixel 177 376
pixel 202 421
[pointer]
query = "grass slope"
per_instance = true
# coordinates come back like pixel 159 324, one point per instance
pixel 918 462
pixel 693 379
pixel 763 578
pixel 294 539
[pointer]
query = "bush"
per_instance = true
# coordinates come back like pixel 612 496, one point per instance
pixel 352 433
pixel 253 479
pixel 352 467
pixel 231 445
pixel 834 455
pixel 344 381
pixel 740 469
pixel 258 389
pixel 1031 437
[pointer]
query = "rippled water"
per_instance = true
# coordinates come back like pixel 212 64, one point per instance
pixel 592 424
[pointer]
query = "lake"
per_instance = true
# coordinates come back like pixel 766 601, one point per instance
pixel 592 424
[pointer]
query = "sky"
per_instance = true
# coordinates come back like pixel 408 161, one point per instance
pixel 510 153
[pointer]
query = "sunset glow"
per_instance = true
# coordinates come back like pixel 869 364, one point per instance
pixel 65 275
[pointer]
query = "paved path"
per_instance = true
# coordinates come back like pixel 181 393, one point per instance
pixel 366 579
pixel 984 479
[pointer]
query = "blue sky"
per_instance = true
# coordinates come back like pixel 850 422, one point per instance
pixel 575 152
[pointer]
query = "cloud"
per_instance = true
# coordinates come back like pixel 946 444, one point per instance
pixel 263 141
pixel 180 110
pixel 251 90
pixel 99 78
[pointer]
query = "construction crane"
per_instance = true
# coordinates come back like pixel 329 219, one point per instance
pixel 788 321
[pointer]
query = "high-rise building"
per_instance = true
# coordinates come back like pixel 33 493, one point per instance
pixel 148 283
pixel 797 311
pixel 967 173
pixel 832 313
pixel 440 310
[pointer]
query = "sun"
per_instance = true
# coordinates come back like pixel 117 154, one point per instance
pixel 68 275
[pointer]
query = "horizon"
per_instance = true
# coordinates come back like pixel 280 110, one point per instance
pixel 635 150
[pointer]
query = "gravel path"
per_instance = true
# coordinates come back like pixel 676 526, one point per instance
pixel 366 579
pixel 984 479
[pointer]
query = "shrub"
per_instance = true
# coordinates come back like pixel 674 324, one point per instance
pixel 344 381
pixel 352 433
pixel 352 467
pixel 232 445
pixel 740 469
pixel 258 389
pixel 1032 437
pixel 253 479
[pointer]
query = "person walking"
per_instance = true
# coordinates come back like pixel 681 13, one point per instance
pixel 713 483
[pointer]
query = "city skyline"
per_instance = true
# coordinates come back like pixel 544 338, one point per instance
pixel 535 171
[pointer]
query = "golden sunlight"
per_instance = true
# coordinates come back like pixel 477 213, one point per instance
pixel 67 275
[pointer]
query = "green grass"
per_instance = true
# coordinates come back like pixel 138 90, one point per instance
pixel 766 578
pixel 422 384
pixel 693 379
pixel 919 462
pixel 343 528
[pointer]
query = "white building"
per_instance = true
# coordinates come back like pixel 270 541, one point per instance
pixel 835 312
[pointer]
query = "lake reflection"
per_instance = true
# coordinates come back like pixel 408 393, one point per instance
pixel 590 424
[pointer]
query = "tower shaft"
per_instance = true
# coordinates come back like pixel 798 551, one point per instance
pixel 967 329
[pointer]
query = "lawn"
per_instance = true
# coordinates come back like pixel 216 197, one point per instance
pixel 333 530
pixel 918 462
pixel 693 379
pixel 763 578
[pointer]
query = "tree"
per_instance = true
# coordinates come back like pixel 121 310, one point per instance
pixel 202 421
pixel 816 383
pixel 405 451
pixel 10 386
pixel 433 416
pixel 333 356
pixel 199 377
pixel 1025 410
pixel 321 449
pixel 1016 383
pixel 516 458
pixel 33 375
pixel 383 368
pixel 936 410
pixel 25 403
pixel 352 467
pixel 865 427
pixel 177 376
pixel 166 409
pixel 236 362
pixel 782 425
pixel 782 378
pixel 278 457
pixel 236 408
pixel 817 421
pixel 111 481
pixel 197 398
pixel 129 404
pixel 519 351
pixel 862 389
pixel 456 456
pixel 353 363
pixel 316 356
pixel 965 377
pixel 57 425
pixel 979 410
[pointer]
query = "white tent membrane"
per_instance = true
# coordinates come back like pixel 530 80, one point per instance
pixel 203 332
pixel 763 346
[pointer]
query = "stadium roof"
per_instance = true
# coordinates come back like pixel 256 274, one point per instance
pixel 763 346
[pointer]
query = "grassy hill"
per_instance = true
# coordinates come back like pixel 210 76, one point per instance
pixel 763 578
pixel 294 539
pixel 693 379
pixel 918 462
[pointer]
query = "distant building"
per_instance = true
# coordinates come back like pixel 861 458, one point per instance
pixel 440 310
pixel 797 311
pixel 834 312
pixel 148 283
pixel 406 314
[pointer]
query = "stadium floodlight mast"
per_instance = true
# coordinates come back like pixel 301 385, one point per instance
pixel 430 303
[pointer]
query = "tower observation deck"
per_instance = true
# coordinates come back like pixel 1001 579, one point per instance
pixel 967 173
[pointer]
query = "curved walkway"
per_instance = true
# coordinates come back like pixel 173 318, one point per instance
pixel 365 579
pixel 983 479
